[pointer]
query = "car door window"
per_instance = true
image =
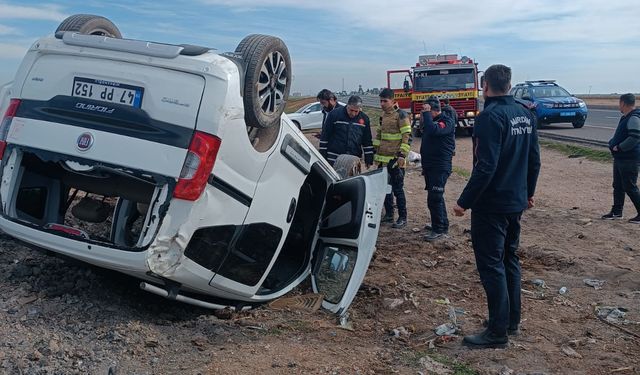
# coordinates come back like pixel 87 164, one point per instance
pixel 315 108
pixel 517 93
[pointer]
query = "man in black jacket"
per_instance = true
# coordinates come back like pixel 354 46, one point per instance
pixel 450 111
pixel 625 148
pixel 347 131
pixel 506 163
pixel 436 151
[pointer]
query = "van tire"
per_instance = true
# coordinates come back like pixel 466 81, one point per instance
pixel 268 75
pixel 348 166
pixel 91 25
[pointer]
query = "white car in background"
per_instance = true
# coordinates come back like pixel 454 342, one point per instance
pixel 309 116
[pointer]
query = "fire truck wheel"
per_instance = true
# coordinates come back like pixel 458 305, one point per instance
pixel 91 25
pixel 348 166
pixel 267 80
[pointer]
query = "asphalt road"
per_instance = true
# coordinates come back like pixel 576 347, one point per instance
pixel 600 125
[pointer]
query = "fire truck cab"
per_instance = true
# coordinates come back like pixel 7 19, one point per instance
pixel 443 76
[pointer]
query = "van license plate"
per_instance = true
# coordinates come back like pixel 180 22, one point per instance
pixel 567 113
pixel 107 91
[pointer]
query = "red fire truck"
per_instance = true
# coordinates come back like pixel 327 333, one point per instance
pixel 444 76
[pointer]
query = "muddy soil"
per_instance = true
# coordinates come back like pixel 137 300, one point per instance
pixel 63 317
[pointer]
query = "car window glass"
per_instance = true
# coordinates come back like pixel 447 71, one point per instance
pixel 249 258
pixel 209 246
pixel 315 108
pixel 517 93
pixel 335 271
pixel 550 92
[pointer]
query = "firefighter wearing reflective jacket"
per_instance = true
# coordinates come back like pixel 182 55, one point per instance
pixel 392 147
pixel 347 131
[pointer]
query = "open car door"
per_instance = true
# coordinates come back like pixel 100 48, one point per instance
pixel 347 237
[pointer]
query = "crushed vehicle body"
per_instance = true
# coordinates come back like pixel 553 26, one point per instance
pixel 174 164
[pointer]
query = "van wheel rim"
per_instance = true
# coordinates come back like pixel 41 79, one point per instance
pixel 272 82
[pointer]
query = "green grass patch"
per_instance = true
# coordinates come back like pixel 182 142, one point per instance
pixel 462 172
pixel 576 151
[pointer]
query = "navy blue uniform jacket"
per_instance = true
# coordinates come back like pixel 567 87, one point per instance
pixel 506 159
pixel 438 141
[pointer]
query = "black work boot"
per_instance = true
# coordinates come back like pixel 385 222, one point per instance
pixel 400 223
pixel 434 236
pixel 612 216
pixel 511 331
pixel 486 339
pixel 387 218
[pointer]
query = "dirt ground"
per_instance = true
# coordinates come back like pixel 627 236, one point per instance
pixel 62 317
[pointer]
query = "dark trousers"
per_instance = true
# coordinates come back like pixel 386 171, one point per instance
pixel 435 180
pixel 396 179
pixel 495 240
pixel 625 177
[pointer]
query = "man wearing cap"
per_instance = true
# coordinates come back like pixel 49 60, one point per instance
pixel 506 164
pixel 392 147
pixel 347 131
pixel 436 151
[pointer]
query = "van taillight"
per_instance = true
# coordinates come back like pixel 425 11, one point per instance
pixel 197 166
pixel 5 125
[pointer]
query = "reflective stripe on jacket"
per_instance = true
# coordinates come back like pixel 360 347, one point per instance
pixel 392 135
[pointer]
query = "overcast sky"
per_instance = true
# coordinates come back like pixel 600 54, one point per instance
pixel 584 45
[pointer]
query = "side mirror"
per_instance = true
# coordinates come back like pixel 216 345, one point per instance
pixel 405 86
pixel 307 111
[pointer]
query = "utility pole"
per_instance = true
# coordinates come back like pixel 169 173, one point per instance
pixel 343 84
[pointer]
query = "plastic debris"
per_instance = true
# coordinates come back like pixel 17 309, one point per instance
pixel 563 290
pixel 392 303
pixel 569 352
pixel 344 322
pixel 446 329
pixel 595 283
pixel 539 283
pixel 400 331
pixel 414 157
pixel 612 314
pixel 442 301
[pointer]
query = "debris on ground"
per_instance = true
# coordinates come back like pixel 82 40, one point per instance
pixel 308 302
pixel 612 314
pixel 446 329
pixel 392 303
pixel 400 331
pixel 569 352
pixel 539 283
pixel 595 283
pixel 432 366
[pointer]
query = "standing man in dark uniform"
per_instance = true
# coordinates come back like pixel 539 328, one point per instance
pixel 450 111
pixel 625 148
pixel 347 130
pixel 436 152
pixel 506 163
